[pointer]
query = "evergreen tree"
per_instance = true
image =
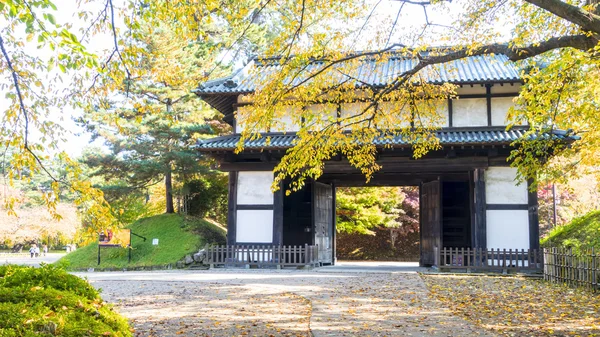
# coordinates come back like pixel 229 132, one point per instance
pixel 153 125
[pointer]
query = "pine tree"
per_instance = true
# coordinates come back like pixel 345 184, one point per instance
pixel 152 126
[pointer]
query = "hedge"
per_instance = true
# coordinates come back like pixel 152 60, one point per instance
pixel 47 301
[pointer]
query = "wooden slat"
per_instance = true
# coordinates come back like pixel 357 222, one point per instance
pixel 565 267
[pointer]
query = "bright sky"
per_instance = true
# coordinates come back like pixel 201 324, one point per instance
pixel 412 16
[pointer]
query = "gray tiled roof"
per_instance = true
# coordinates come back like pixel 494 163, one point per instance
pixel 475 69
pixel 446 136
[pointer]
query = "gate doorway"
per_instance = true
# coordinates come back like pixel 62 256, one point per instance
pixel 378 223
pixel 444 217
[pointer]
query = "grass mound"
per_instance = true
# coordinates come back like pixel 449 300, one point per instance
pixel 48 301
pixel 581 233
pixel 177 236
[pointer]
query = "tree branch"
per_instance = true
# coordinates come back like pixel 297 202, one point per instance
pixel 117 50
pixel 17 85
pixel 585 19
pixel 297 32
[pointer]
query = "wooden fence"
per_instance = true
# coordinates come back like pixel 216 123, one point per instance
pixel 479 259
pixel 563 266
pixel 261 255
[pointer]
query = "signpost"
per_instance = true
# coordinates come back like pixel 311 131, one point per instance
pixel 116 238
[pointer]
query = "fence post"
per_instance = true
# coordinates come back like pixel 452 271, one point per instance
pixel 595 281
pixel 305 257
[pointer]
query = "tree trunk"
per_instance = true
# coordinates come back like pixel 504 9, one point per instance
pixel 169 192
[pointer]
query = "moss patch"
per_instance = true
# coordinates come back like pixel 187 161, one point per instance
pixel 48 301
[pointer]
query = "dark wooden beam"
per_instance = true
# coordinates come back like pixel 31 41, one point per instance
pixel 534 221
pixel 491 95
pixel 394 179
pixel 480 209
pixel 393 165
pixel 507 207
pixel 450 112
pixel 501 160
pixel 488 98
pixel 246 207
pixel 231 208
pixel 334 225
pixel 278 216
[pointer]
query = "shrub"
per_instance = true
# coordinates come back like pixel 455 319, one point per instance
pixel 47 301
pixel 208 197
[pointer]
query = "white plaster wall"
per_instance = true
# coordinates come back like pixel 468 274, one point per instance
pixel 507 229
pixel 239 127
pixel 399 115
pixel 469 112
pixel 442 110
pixel 254 188
pixel 476 89
pixel 501 186
pixel 254 226
pixel 289 121
pixel 500 107
pixel 328 112
pixel 506 88
pixel 352 109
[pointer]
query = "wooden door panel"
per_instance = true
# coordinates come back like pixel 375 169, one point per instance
pixel 323 226
pixel 430 221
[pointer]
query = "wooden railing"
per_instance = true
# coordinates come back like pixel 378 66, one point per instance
pixel 261 255
pixel 563 266
pixel 477 259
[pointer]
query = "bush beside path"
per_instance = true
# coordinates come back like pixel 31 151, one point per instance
pixel 47 301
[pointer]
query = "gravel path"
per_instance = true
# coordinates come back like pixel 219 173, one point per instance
pixel 279 303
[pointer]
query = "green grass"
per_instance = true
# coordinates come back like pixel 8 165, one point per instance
pixel 581 233
pixel 48 301
pixel 177 237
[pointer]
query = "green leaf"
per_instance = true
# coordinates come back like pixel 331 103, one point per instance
pixel 50 18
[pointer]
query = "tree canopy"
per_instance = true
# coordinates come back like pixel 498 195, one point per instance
pixel 362 209
pixel 555 41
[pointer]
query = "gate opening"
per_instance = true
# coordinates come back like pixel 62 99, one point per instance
pixel 378 223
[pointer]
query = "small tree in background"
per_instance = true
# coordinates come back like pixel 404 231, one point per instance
pixel 360 210
pixel 378 223
pixel 208 197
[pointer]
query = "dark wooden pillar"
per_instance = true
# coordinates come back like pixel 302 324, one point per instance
pixel 534 221
pixel 488 99
pixel 232 208
pixel 334 224
pixel 479 230
pixel 278 216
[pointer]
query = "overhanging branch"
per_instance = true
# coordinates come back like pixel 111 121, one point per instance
pixel 586 20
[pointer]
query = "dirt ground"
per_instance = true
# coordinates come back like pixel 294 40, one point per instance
pixel 349 302
pixel 284 303
pixel 513 306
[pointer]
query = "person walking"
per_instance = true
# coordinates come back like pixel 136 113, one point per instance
pixel 45 249
pixel 32 250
